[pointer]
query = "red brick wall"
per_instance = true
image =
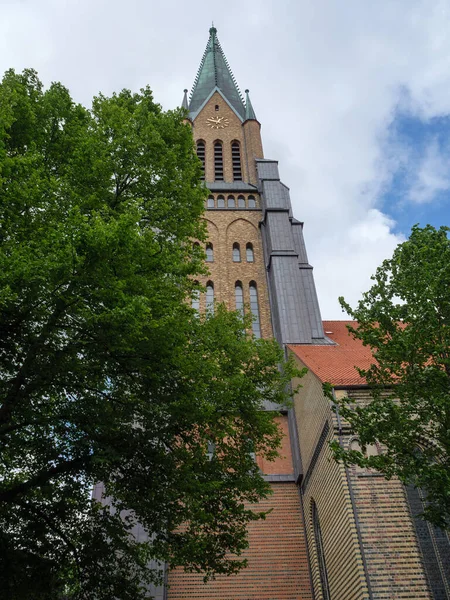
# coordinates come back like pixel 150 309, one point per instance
pixel 278 562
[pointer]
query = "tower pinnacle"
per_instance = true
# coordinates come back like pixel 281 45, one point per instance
pixel 249 112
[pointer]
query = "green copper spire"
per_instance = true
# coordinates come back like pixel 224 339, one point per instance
pixel 214 72
pixel 249 112
pixel 185 103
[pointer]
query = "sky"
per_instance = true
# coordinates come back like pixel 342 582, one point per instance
pixel 353 97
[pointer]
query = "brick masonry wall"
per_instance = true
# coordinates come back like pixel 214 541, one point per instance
pixel 393 557
pixel 226 227
pixel 248 136
pixel 387 534
pixel 277 561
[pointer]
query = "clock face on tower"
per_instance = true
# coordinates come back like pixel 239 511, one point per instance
pixel 217 122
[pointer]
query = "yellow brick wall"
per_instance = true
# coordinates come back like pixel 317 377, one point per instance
pixel 387 533
pixel 226 227
pixel 248 135
pixel 393 558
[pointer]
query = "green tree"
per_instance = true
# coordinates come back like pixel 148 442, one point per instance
pixel 405 319
pixel 106 372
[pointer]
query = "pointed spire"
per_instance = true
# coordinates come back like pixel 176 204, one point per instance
pixel 249 112
pixel 214 71
pixel 185 103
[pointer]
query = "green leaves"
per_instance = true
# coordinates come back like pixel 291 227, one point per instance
pixel 405 319
pixel 106 373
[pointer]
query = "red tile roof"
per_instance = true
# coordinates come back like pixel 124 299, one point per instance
pixel 336 364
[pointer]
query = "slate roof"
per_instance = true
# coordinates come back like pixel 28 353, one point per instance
pixel 214 72
pixel 336 364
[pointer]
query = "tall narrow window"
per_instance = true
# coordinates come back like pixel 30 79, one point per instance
pixel 249 252
pixel 218 161
pixel 220 202
pixel 209 253
pixel 210 297
pixel 254 307
pixel 241 202
pixel 236 160
pixel 236 252
pixel 251 202
pixel 201 155
pixel 239 296
pixel 196 300
pixel 320 552
pixel 210 203
pixel 231 202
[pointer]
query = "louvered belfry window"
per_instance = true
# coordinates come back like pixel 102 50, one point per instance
pixel 236 160
pixel 218 161
pixel 201 155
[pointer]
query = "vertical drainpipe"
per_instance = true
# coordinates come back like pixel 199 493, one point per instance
pixel 352 500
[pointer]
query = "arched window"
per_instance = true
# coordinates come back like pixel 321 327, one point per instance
pixel 209 253
pixel 249 253
pixel 251 202
pixel 236 252
pixel 220 202
pixel 241 202
pixel 320 552
pixel 196 299
pixel 201 155
pixel 210 297
pixel 254 307
pixel 218 161
pixel 236 160
pixel 239 297
pixel 231 202
pixel 210 203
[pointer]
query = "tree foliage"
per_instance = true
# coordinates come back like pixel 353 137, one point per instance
pixel 106 373
pixel 405 319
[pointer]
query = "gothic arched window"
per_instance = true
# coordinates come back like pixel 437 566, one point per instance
pixel 239 297
pixel 251 202
pixel 249 253
pixel 254 307
pixel 231 202
pixel 320 553
pixel 236 252
pixel 209 253
pixel 210 297
pixel 220 202
pixel 236 160
pixel 241 202
pixel 196 299
pixel 218 161
pixel 210 202
pixel 201 155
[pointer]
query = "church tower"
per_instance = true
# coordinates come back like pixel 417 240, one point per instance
pixel 257 261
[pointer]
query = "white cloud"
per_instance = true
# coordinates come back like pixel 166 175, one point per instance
pixel 431 176
pixel 326 79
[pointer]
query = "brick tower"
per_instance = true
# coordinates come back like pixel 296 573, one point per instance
pixel 333 533
pixel 256 258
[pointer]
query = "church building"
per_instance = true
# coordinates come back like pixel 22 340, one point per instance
pixel 333 533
